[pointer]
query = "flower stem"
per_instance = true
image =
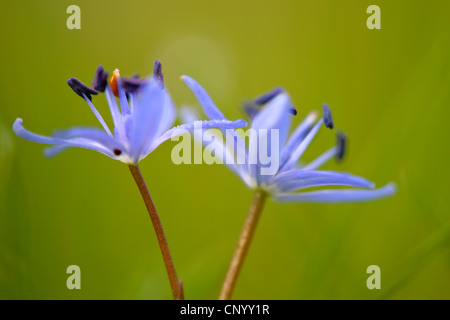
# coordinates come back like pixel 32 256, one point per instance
pixel 176 286
pixel 243 244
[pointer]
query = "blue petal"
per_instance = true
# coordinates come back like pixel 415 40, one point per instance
pixel 167 117
pixel 90 133
pixel 301 148
pixel 239 151
pixel 122 98
pixel 212 112
pixel 146 117
pixel 210 109
pixel 133 98
pixel 30 136
pixel 275 115
pixel 55 150
pixel 338 196
pixel 75 142
pixel 205 124
pixel 84 132
pixel 300 179
pixel 97 114
pixel 80 143
pixel 119 130
pixel 188 115
pixel 322 159
pixel 297 136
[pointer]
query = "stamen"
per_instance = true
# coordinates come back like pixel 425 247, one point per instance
pixel 113 82
pixel 341 145
pixel 293 110
pixel 327 118
pixel 266 97
pixel 133 84
pixel 98 115
pixel 117 152
pixel 157 72
pixel 79 88
pixel 100 79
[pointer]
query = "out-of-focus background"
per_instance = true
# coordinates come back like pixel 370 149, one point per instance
pixel 388 89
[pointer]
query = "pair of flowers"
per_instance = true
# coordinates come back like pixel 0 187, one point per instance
pixel 147 112
pixel 142 121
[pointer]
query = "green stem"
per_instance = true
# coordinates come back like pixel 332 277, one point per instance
pixel 176 286
pixel 243 245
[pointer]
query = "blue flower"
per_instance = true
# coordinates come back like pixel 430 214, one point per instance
pixel 140 124
pixel 274 111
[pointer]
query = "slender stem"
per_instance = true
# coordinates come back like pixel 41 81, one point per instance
pixel 176 286
pixel 243 244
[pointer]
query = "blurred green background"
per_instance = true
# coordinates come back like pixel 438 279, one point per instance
pixel 388 89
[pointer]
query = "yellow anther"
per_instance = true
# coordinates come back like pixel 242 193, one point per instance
pixel 113 82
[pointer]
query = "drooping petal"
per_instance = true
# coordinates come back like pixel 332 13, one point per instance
pixel 80 143
pixel 55 150
pixel 300 179
pixel 74 142
pixel 210 109
pixel 339 195
pixel 90 133
pixel 30 136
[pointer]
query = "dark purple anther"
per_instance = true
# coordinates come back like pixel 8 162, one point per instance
pixel 132 84
pixel 327 119
pixel 341 145
pixel 157 72
pixel 80 88
pixel 293 110
pixel 100 79
pixel 266 97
